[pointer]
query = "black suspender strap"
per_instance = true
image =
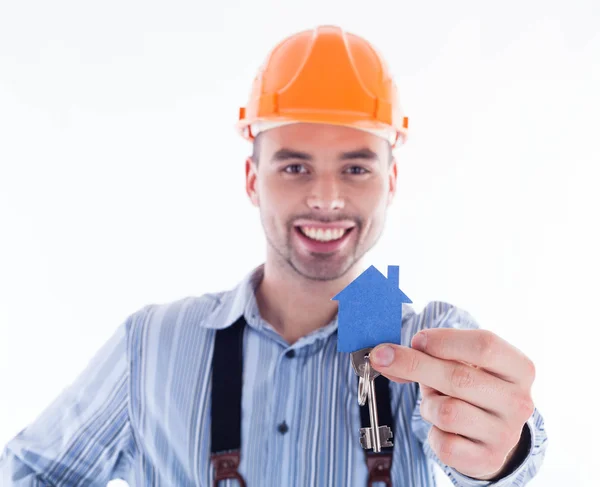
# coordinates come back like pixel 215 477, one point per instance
pixel 226 407
pixel 226 411
pixel 379 464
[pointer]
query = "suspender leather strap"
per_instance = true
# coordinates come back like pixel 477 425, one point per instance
pixel 226 411
pixel 226 407
pixel 379 464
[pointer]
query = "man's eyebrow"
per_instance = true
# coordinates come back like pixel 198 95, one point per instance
pixel 364 153
pixel 286 154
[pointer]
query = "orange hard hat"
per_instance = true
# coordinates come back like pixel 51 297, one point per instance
pixel 324 75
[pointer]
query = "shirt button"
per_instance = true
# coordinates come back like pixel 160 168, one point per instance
pixel 282 428
pixel 290 353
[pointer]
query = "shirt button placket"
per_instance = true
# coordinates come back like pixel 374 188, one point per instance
pixel 283 422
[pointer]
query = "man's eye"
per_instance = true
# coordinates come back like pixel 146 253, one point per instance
pixel 294 168
pixel 357 170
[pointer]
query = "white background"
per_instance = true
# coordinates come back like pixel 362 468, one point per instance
pixel 121 178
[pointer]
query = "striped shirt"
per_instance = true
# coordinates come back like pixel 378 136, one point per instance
pixel 140 411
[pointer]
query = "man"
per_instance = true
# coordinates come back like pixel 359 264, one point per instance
pixel 247 385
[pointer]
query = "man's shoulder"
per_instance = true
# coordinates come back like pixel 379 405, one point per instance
pixel 201 312
pixel 437 314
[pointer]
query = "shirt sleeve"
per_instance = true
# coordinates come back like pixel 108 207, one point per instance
pixel 443 315
pixel 84 436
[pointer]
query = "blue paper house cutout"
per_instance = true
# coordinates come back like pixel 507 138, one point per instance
pixel 370 310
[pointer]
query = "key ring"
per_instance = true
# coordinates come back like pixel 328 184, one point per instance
pixel 363 382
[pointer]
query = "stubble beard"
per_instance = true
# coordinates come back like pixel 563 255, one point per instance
pixel 318 267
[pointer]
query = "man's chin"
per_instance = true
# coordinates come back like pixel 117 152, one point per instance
pixel 321 268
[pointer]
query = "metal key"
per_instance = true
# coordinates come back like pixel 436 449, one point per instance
pixel 375 437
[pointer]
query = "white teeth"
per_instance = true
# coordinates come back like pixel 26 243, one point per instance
pixel 323 235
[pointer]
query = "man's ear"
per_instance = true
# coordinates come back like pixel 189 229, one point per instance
pixel 251 178
pixel 393 180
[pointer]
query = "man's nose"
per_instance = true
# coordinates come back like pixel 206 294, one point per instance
pixel 325 195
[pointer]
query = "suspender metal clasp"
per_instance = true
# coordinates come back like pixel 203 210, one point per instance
pixel 226 467
pixel 380 468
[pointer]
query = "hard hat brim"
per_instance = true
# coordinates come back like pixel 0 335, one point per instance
pixel 249 128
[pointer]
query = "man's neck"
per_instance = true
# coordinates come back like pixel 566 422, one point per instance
pixel 296 306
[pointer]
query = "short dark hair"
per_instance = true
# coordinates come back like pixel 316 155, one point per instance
pixel 256 150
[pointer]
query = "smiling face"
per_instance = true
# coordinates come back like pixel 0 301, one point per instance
pixel 323 193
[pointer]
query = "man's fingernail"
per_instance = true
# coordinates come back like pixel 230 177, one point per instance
pixel 383 355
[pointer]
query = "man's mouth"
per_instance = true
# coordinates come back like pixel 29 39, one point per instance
pixel 323 234
pixel 323 238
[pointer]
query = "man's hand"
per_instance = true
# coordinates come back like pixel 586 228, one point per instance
pixel 476 393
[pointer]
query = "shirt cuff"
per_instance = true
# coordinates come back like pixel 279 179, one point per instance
pixel 509 479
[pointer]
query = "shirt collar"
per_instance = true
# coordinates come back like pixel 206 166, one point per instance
pixel 235 302
pixel 241 300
